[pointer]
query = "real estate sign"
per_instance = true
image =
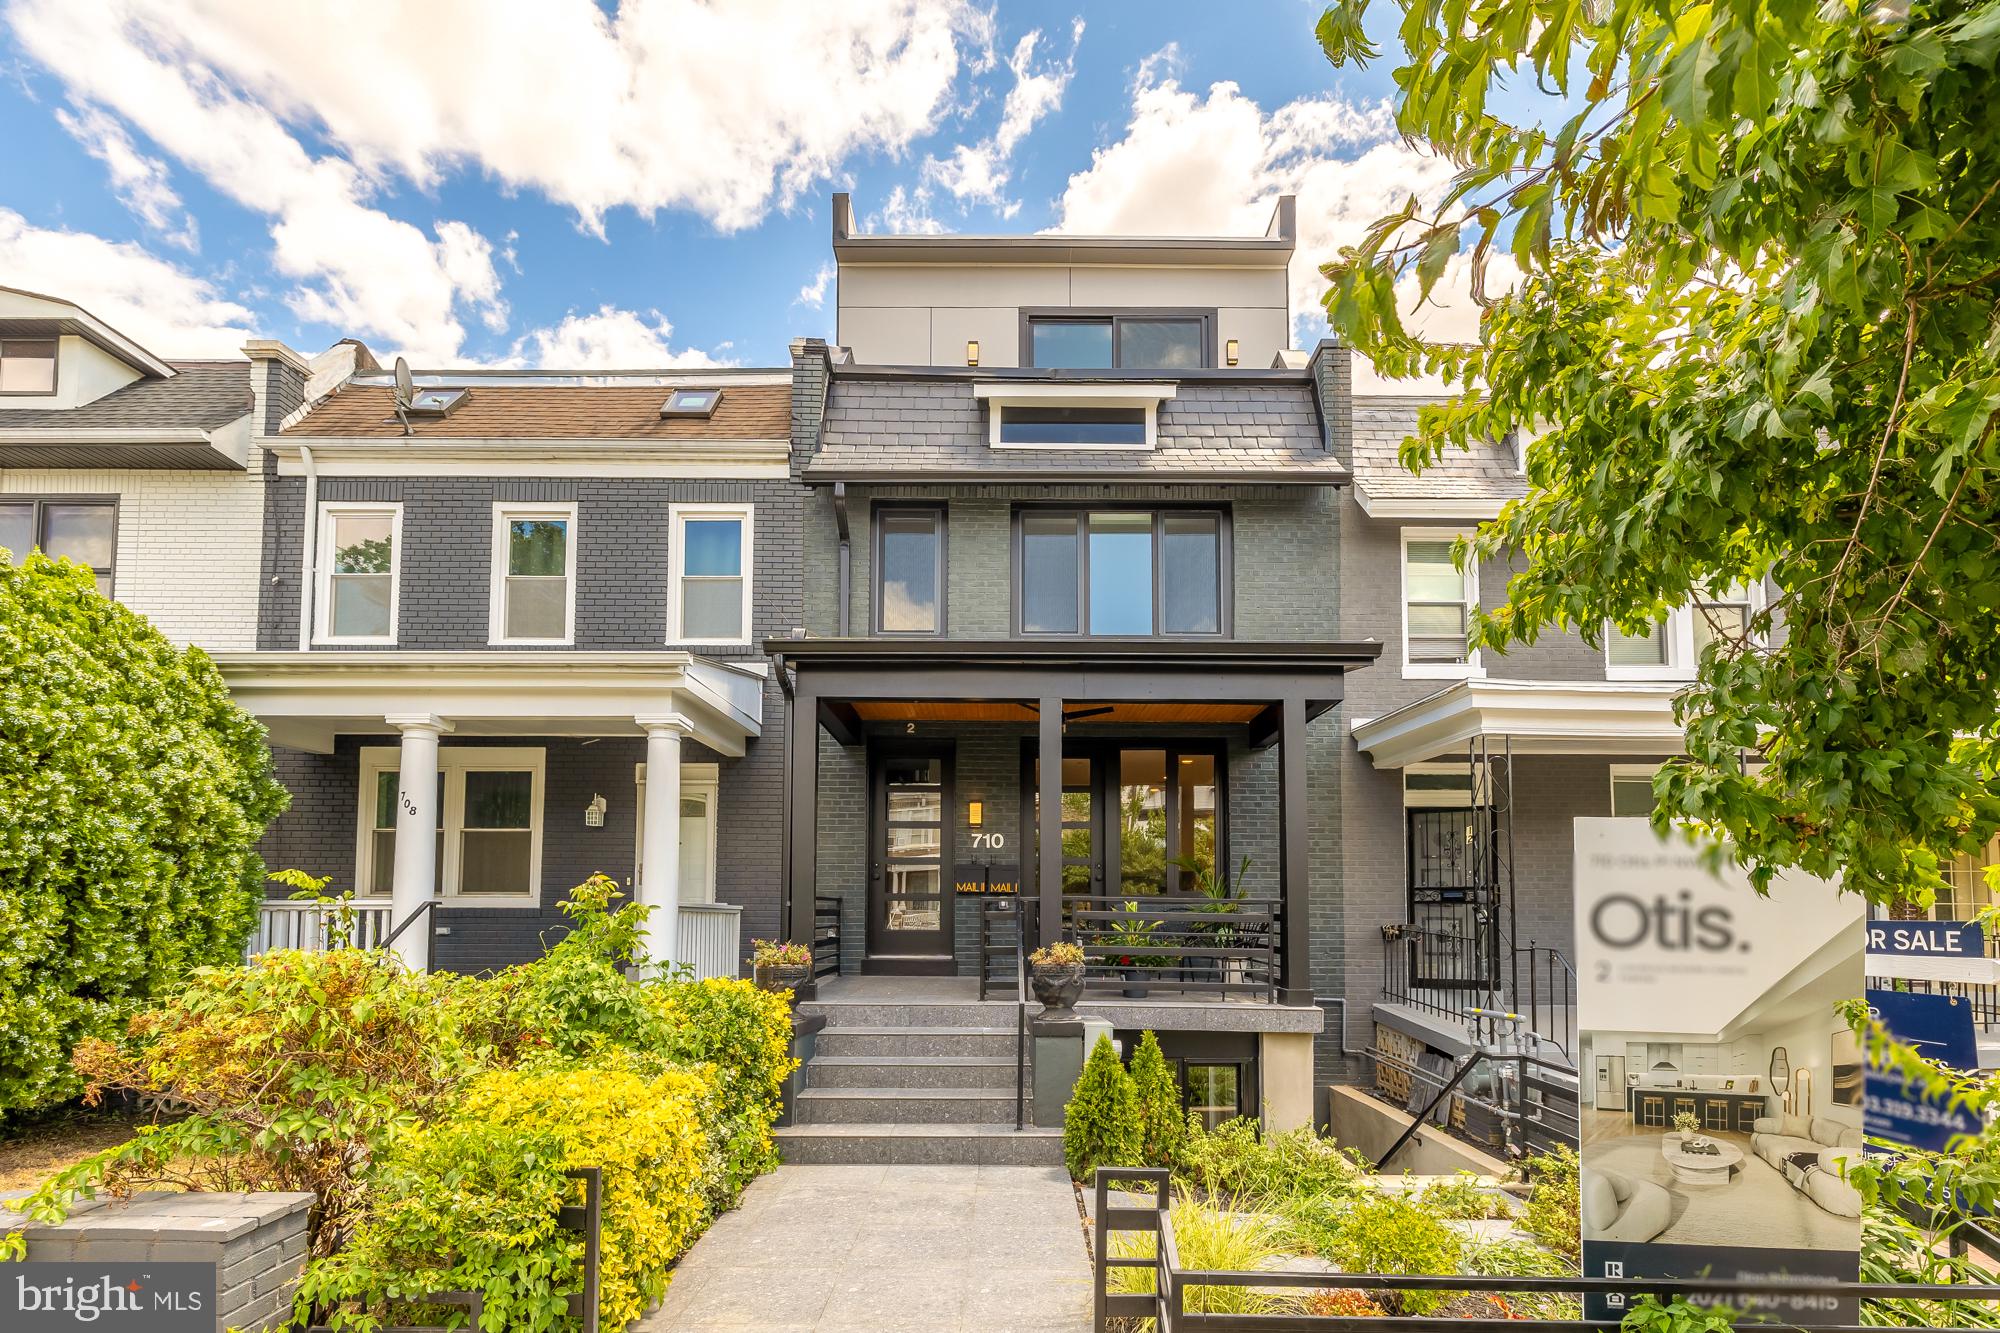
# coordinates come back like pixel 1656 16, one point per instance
pixel 1711 1008
pixel 1939 1026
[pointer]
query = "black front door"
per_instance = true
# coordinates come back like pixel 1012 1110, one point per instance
pixel 909 860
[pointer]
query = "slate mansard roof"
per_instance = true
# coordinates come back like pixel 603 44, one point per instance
pixel 1485 478
pixel 200 395
pixel 888 427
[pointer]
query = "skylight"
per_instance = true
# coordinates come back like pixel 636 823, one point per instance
pixel 436 402
pixel 691 403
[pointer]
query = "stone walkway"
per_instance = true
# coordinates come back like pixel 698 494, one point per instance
pixel 933 1248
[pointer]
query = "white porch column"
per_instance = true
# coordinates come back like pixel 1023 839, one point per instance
pixel 415 878
pixel 660 868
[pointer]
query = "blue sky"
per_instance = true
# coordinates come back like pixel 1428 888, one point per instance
pixel 644 184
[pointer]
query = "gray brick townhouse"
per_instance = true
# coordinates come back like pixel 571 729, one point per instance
pixel 549 593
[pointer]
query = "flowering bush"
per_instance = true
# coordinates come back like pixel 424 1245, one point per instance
pixel 433 1116
pixel 132 795
pixel 779 953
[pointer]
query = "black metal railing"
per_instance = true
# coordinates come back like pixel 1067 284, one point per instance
pixel 424 911
pixel 1006 926
pixel 1020 1020
pixel 826 936
pixel 1178 944
pixel 1984 997
pixel 1449 974
pixel 1544 993
pixel 1174 1287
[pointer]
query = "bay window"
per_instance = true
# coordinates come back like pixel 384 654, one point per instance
pixel 489 824
pixel 1121 572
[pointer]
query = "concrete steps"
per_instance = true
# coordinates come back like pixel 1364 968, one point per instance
pixel 924 1082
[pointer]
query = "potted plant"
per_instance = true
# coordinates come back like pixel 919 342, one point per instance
pixel 1131 937
pixel 782 965
pixel 1056 973
pixel 1689 1126
pixel 1219 895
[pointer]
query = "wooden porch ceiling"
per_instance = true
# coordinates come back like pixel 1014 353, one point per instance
pixel 1076 712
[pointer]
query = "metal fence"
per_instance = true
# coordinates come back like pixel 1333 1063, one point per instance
pixel 1178 944
pixel 314 926
pixel 711 939
pixel 1175 1298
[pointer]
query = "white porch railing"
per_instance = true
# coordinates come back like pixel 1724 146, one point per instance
pixel 311 926
pixel 710 938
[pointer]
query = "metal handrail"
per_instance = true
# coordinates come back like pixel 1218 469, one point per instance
pixel 1020 1019
pixel 430 937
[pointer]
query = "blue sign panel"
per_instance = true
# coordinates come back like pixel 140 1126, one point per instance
pixel 1926 939
pixel 1940 1026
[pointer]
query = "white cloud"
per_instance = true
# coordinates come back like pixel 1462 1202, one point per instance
pixel 608 338
pixel 904 213
pixel 814 292
pixel 1215 165
pixel 139 181
pixel 978 173
pixel 167 310
pixel 357 268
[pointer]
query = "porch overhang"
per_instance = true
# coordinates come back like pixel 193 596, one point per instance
pixel 308 699
pixel 1536 717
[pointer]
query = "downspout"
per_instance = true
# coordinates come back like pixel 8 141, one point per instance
pixel 846 562
pixel 308 547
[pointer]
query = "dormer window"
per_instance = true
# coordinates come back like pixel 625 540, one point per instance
pixel 691 403
pixel 1148 340
pixel 1037 415
pixel 28 365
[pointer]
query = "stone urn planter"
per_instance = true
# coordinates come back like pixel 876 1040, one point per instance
pixel 1057 986
pixel 782 967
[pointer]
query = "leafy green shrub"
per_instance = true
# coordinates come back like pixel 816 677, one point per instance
pixel 1554 1209
pixel 1209 1238
pixel 1162 1122
pixel 132 795
pixel 1101 1123
pixel 1381 1233
pixel 1461 1198
pixel 1233 1159
pixel 1513 1258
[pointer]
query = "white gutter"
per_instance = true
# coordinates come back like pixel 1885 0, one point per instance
pixel 310 545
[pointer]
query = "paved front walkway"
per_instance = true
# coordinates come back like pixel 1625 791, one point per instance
pixel 934 1248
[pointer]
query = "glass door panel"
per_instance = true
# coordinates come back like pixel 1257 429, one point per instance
pixel 909 914
pixel 1142 822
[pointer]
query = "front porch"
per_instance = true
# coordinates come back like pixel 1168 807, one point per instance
pixel 1174 841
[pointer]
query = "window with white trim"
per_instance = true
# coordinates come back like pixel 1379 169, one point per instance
pixel 1632 790
pixel 1671 650
pixel 355 600
pixel 1724 616
pixel 1438 599
pixel 534 574
pixel 489 847
pixel 1966 891
pixel 710 558
pixel 28 366
pixel 697 832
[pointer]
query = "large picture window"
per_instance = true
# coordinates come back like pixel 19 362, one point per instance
pixel 84 530
pixel 909 570
pixel 356 596
pixel 489 824
pixel 1121 572
pixel 711 573
pixel 534 574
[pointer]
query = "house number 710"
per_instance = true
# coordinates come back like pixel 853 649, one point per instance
pixel 989 840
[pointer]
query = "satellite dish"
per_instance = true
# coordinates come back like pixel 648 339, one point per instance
pixel 406 392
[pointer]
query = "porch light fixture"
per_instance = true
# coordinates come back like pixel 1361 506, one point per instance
pixel 593 814
pixel 972 351
pixel 975 813
pixel 1232 351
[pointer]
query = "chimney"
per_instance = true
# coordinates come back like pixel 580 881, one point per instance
pixel 278 378
pixel 812 370
pixel 1332 367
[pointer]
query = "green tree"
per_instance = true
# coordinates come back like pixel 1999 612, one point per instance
pixel 132 795
pixel 1162 1122
pixel 1101 1122
pixel 1755 341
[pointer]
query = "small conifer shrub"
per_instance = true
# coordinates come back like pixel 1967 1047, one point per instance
pixel 1162 1125
pixel 1101 1123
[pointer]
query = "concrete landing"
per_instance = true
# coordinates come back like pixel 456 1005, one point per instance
pixel 815 1249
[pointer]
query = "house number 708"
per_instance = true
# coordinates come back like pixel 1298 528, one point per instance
pixel 409 806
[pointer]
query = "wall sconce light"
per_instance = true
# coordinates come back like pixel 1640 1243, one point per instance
pixel 972 351
pixel 1232 351
pixel 975 813
pixel 593 814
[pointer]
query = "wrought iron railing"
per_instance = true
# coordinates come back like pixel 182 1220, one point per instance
pixel 1449 975
pixel 826 936
pixel 1173 1296
pixel 1178 944
pixel 1006 926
